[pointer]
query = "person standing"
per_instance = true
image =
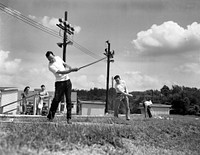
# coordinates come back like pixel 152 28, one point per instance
pixel 122 96
pixel 43 94
pixel 24 102
pixel 147 106
pixel 63 85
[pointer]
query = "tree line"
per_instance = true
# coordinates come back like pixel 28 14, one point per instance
pixel 184 100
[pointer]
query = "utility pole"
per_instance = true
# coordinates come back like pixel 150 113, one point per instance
pixel 109 55
pixel 65 38
pixel 67 30
pixel 112 90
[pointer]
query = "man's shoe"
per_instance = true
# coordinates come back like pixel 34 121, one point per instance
pixel 69 121
pixel 50 116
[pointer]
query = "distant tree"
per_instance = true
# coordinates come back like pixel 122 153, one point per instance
pixel 176 89
pixel 186 105
pixel 165 91
pixel 197 109
pixel 96 94
pixel 184 100
pixel 156 96
pixel 177 103
pixel 134 104
pixel 149 92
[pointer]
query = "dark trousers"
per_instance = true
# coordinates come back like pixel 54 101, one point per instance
pixel 147 110
pixel 61 88
pixel 125 100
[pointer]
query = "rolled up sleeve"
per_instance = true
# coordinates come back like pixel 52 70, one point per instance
pixel 53 69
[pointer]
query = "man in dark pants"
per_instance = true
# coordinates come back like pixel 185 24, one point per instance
pixel 63 84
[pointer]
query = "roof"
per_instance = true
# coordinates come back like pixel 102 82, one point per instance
pixel 161 105
pixel 8 89
pixel 92 102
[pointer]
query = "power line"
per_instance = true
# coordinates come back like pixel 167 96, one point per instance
pixel 43 28
pixel 26 20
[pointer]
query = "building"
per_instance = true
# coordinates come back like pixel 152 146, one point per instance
pixel 74 102
pixel 62 106
pixel 8 100
pixel 158 109
pixel 95 108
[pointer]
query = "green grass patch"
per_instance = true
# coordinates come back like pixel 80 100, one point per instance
pixel 103 135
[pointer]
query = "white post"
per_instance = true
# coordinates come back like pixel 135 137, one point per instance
pixel 35 105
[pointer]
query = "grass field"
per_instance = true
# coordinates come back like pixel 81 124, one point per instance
pixel 166 135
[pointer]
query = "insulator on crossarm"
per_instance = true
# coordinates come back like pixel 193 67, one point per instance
pixel 60 20
pixel 113 52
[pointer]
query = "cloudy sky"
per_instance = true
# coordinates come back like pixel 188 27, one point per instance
pixel 156 42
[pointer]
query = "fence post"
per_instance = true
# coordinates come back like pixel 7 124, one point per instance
pixel 35 105
pixel 1 110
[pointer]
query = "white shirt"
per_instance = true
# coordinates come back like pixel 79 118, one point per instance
pixel 121 87
pixel 148 103
pixel 57 65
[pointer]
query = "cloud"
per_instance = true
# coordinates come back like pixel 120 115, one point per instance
pixel 77 29
pixel 168 38
pixel 14 74
pixel 189 68
pixel 8 68
pixel 82 82
pixel 46 21
pixel 51 22
pixel 136 81
pixel 33 77
pixel 32 17
pixel 101 82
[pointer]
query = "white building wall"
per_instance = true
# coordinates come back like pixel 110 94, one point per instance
pixel 74 101
pixel 159 111
pixel 8 97
pixel 93 109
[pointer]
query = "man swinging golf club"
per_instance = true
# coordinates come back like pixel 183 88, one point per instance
pixel 122 96
pixel 63 84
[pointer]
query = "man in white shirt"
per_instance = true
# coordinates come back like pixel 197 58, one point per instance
pixel 63 84
pixel 147 106
pixel 43 94
pixel 122 96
